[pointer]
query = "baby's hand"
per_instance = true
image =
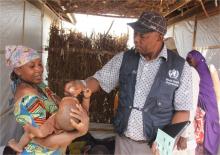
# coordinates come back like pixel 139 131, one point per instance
pixel 87 93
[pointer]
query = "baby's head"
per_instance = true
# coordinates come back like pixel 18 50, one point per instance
pixel 63 117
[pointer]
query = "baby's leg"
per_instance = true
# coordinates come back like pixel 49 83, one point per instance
pixel 42 131
pixel 14 145
pixel 33 131
pixel 18 147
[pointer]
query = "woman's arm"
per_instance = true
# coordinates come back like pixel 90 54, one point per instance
pixel 57 141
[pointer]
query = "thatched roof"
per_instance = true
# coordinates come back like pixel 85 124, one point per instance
pixel 173 10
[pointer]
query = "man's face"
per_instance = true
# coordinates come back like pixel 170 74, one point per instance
pixel 145 43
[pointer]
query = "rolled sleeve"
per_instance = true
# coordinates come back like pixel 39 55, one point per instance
pixel 183 96
pixel 108 76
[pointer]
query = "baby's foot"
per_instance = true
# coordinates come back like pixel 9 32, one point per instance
pixel 14 145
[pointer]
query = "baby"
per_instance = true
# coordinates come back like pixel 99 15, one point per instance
pixel 55 124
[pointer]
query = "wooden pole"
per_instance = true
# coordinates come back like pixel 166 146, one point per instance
pixel 194 32
pixel 177 6
pixel 203 8
pixel 23 22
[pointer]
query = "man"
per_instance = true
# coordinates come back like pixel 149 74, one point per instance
pixel 188 136
pixel 155 86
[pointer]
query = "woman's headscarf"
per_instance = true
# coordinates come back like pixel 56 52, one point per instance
pixel 17 56
pixel 207 101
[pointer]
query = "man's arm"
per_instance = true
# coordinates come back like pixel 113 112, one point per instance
pixel 183 102
pixel 107 78
pixel 180 116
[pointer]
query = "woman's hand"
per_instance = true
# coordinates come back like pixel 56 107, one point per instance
pixel 182 143
pixel 82 115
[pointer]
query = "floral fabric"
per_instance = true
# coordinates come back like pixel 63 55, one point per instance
pixel 35 110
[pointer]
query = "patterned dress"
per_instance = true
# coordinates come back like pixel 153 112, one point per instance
pixel 35 110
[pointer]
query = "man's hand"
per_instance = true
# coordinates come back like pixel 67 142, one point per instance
pixel 182 143
pixel 87 93
pixel 73 88
pixel 154 149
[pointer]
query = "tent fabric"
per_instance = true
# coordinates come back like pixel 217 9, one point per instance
pixel 8 126
pixel 208 34
pixel 33 26
pixel 12 17
pixel 183 36
pixel 207 39
pixel 11 33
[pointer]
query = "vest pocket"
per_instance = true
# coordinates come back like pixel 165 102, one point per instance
pixel 164 106
pixel 163 112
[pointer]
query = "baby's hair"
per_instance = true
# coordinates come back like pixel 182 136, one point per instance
pixel 63 115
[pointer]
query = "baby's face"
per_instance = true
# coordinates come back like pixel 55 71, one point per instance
pixel 76 89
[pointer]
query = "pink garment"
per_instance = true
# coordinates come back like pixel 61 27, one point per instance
pixel 199 125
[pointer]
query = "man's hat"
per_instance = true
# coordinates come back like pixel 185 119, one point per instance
pixel 150 21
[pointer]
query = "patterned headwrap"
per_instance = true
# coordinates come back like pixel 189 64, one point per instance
pixel 17 56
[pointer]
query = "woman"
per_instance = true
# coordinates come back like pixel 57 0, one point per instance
pixel 35 102
pixel 207 117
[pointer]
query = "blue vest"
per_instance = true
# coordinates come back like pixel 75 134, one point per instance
pixel 158 109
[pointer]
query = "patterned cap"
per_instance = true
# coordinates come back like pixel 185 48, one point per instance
pixel 17 56
pixel 150 21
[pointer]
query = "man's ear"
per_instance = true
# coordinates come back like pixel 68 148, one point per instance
pixel 160 37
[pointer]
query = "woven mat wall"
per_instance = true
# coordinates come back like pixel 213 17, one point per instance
pixel 71 57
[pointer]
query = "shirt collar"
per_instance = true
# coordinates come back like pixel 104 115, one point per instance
pixel 162 54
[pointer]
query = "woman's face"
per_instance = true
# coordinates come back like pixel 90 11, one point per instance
pixel 31 72
pixel 191 61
